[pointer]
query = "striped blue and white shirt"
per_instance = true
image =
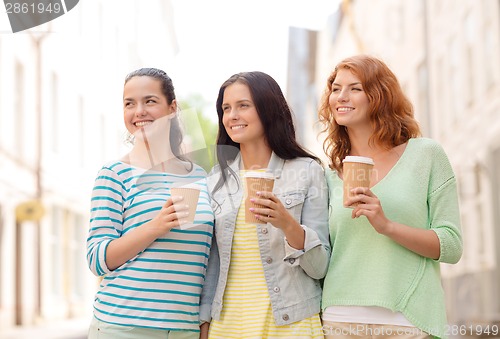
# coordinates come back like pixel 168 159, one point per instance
pixel 161 286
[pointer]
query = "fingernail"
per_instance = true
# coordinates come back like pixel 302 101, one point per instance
pixel 252 200
pixel 258 193
pixel 252 209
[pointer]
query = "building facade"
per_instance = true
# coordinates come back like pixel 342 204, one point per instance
pixel 446 55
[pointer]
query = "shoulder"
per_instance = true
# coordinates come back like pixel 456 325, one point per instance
pixel 427 145
pixel 303 168
pixel 116 167
pixel 214 170
pixel 428 151
pixel 305 162
pixel 197 170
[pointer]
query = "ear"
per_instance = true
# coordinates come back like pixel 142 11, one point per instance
pixel 173 106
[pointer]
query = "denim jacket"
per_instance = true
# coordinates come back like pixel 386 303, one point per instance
pixel 292 275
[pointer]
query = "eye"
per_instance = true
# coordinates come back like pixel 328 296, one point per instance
pixel 128 104
pixel 225 108
pixel 357 89
pixel 335 89
pixel 151 101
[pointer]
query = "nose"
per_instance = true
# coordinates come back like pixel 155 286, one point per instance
pixel 140 110
pixel 343 95
pixel 233 114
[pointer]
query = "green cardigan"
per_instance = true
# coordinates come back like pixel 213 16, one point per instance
pixel 370 269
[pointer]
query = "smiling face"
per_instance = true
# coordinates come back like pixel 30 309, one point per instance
pixel 240 117
pixel 144 103
pixel 348 100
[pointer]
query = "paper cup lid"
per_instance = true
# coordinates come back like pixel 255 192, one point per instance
pixel 257 174
pixel 364 160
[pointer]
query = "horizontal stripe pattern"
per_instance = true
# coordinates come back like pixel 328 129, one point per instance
pixel 247 311
pixel 161 286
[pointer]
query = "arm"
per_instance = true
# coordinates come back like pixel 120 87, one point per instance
pixel 107 249
pixel 307 242
pixel 443 241
pixel 126 247
pixel 421 241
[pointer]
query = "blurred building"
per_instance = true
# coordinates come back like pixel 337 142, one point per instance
pixel 446 55
pixel 61 119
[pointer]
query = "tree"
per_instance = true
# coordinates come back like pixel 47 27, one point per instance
pixel 200 130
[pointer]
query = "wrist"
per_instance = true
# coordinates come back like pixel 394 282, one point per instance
pixel 153 229
pixel 389 229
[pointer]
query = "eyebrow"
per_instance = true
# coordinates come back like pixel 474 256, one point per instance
pixel 238 102
pixel 352 84
pixel 146 97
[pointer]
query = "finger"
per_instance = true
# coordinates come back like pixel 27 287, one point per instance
pixel 262 211
pixel 181 215
pixel 262 202
pixel 264 218
pixel 172 200
pixel 363 190
pixel 265 194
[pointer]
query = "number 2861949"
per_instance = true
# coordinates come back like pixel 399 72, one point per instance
pixel 32 8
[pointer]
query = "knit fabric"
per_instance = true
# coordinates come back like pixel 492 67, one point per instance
pixel 370 269
pixel 160 287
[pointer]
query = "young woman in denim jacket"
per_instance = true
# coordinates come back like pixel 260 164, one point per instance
pixel 263 279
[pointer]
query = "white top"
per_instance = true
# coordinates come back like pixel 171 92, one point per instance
pixel 353 158
pixel 365 315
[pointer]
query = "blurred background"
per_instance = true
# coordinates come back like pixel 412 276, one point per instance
pixel 61 119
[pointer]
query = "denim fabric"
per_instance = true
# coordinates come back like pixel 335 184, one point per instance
pixel 292 275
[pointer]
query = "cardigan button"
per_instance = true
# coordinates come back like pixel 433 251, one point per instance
pixel 285 317
pixel 269 260
pixel 288 201
pixel 276 289
pixel 264 230
pixel 291 261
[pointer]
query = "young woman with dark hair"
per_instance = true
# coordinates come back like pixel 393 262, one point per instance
pixel 153 265
pixel 263 278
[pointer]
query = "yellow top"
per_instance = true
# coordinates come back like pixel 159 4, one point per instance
pixel 247 311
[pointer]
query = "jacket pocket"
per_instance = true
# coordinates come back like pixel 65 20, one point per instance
pixel 293 202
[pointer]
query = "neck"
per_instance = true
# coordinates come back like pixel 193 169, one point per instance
pixel 255 156
pixel 150 154
pixel 360 144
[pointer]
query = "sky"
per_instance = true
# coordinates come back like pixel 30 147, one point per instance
pixel 219 38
